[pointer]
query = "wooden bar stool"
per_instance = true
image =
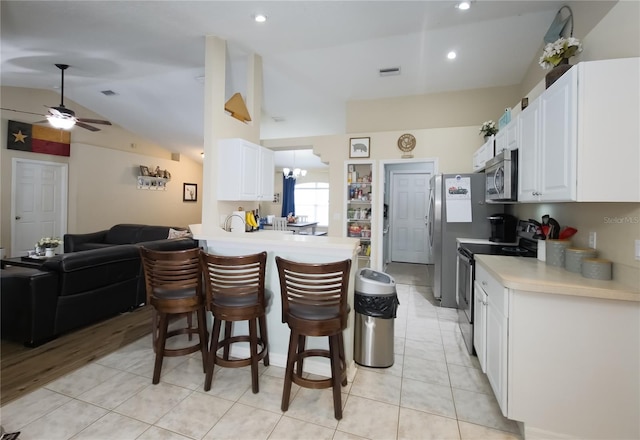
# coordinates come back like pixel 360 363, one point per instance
pixel 234 288
pixel 314 303
pixel 174 287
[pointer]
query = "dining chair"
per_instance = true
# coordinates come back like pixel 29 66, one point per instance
pixel 280 224
pixel 234 288
pixel 173 282
pixel 314 303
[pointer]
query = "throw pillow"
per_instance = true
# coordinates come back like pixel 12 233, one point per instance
pixel 176 233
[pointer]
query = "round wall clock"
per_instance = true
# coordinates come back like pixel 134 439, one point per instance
pixel 406 144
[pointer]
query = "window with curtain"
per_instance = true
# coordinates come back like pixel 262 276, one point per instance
pixel 312 200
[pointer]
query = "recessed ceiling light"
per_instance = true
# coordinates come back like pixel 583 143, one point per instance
pixel 260 18
pixel 463 6
pixel 452 55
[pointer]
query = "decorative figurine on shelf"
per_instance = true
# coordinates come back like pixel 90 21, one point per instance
pixel 291 218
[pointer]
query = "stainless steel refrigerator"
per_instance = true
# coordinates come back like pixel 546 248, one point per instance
pixel 446 223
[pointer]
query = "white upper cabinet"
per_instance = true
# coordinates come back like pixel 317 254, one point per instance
pixel 245 171
pixel 579 140
pixel 483 154
pixel 608 134
pixel 267 174
pixel 507 137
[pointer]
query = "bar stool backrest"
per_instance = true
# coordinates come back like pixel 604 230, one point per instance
pixel 234 277
pixel 171 270
pixel 322 286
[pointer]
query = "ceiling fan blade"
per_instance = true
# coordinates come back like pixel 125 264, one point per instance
pixel 20 111
pixel 86 126
pixel 94 121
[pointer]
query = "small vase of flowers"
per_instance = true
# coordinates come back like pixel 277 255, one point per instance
pixel 488 128
pixel 556 57
pixel 49 244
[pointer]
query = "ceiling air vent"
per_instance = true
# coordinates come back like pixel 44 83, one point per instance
pixel 108 93
pixel 390 71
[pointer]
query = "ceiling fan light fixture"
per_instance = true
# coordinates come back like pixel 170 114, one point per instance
pixel 61 123
pixel 260 18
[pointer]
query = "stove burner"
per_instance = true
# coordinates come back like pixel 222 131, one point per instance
pixel 514 250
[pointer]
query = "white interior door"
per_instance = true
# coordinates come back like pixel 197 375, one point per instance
pixel 409 197
pixel 38 203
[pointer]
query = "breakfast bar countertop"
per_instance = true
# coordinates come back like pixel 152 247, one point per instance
pixel 532 275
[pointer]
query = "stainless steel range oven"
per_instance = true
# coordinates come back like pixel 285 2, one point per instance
pixel 465 273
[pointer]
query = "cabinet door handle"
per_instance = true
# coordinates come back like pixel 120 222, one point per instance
pixel 18 217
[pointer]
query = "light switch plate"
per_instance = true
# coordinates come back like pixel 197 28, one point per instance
pixel 592 240
pixel 638 250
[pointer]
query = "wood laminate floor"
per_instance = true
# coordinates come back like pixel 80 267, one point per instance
pixel 23 369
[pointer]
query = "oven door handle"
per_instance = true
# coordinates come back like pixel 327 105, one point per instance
pixel 466 259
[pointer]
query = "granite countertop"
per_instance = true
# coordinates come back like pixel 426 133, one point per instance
pixel 533 275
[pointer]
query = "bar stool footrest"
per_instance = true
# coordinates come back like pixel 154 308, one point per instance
pixel 243 362
pixel 316 383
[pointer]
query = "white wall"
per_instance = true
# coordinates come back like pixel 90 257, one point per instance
pixel 102 173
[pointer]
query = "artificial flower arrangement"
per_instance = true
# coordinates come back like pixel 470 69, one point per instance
pixel 561 49
pixel 49 242
pixel 488 128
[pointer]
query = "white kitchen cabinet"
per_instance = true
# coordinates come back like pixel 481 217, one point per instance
pixel 483 154
pixel 579 140
pixel 245 171
pixel 547 144
pixel 564 377
pixel 480 324
pixel 496 342
pixel 267 174
pixel 507 137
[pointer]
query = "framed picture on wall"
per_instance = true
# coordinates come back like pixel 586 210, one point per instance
pixel 359 147
pixel 189 192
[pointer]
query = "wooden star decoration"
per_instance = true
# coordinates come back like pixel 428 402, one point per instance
pixel 19 137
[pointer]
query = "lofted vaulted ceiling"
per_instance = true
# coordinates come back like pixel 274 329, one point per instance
pixel 317 55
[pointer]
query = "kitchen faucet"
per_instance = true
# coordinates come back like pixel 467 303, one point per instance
pixel 227 227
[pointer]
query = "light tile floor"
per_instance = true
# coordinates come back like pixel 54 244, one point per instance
pixel 434 390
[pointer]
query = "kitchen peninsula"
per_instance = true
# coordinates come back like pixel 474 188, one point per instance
pixel 296 247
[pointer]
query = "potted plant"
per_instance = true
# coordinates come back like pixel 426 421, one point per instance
pixel 556 57
pixel 488 128
pixel 48 244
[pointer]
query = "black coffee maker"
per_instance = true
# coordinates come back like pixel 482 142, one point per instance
pixel 503 228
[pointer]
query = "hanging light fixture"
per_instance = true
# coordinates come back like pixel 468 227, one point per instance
pixel 296 172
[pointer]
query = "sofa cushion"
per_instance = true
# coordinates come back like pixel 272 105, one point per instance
pixel 123 234
pixel 150 233
pixel 93 269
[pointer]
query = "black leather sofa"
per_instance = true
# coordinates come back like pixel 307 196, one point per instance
pixel 118 234
pixel 78 288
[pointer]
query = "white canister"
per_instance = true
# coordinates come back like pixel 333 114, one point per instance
pixel 573 258
pixel 542 250
pixel 555 250
pixel 596 268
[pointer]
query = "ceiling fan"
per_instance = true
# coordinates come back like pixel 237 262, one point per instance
pixel 62 117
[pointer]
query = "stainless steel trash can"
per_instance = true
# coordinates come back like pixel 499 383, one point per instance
pixel 376 303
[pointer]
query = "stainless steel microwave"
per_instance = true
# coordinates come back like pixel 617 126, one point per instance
pixel 502 177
